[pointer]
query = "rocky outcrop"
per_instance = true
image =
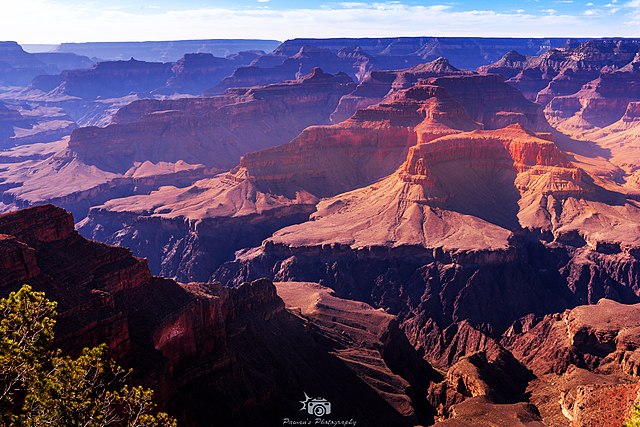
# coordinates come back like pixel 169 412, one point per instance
pixel 383 357
pixel 109 79
pixel 291 68
pixel 230 355
pixel 563 71
pixel 196 72
pixel 508 66
pixel 378 84
pixel 214 132
pixel 208 221
pixel 464 52
pixel 480 411
pixel 586 361
pixel 596 337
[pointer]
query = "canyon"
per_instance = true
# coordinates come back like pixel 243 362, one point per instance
pixel 204 224
pixel 423 231
pixel 152 143
pixel 210 350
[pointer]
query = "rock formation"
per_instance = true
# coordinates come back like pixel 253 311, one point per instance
pixel 204 224
pixel 585 360
pixel 291 68
pixel 508 66
pixel 214 132
pixel 469 222
pixel 111 79
pixel 600 102
pixel 233 355
pixel 166 142
pixel 378 84
pixel 563 71
pixel 164 51
pixel 460 201
pixel 196 72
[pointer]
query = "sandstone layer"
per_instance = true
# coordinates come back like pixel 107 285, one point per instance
pixel 204 224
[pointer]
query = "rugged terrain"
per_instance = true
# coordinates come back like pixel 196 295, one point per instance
pixel 448 246
pixel 230 354
pixel 153 143
pixel 204 224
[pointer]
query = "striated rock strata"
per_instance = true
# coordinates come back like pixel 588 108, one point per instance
pixel 211 131
pixel 563 71
pixel 470 220
pixel 230 355
pixel 111 79
pixel 204 224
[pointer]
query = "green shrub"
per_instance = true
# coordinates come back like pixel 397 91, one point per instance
pixel 41 387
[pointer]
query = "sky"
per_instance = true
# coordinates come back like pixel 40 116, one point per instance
pixel 56 21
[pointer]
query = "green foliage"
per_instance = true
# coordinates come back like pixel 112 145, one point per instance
pixel 634 420
pixel 40 387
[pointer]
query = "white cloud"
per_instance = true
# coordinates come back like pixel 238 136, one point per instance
pixel 263 1
pixel 52 21
pixel 352 4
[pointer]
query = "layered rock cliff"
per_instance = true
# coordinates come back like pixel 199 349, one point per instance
pixel 111 79
pixel 214 354
pixel 153 143
pixel 378 84
pixel 204 224
pixel 211 131
pixel 585 360
pixel 470 222
pixel 600 102
pixel 196 72
pixel 563 71
pixel 262 72
pixel 468 218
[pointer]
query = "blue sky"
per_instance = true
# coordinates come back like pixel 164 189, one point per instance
pixel 55 21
